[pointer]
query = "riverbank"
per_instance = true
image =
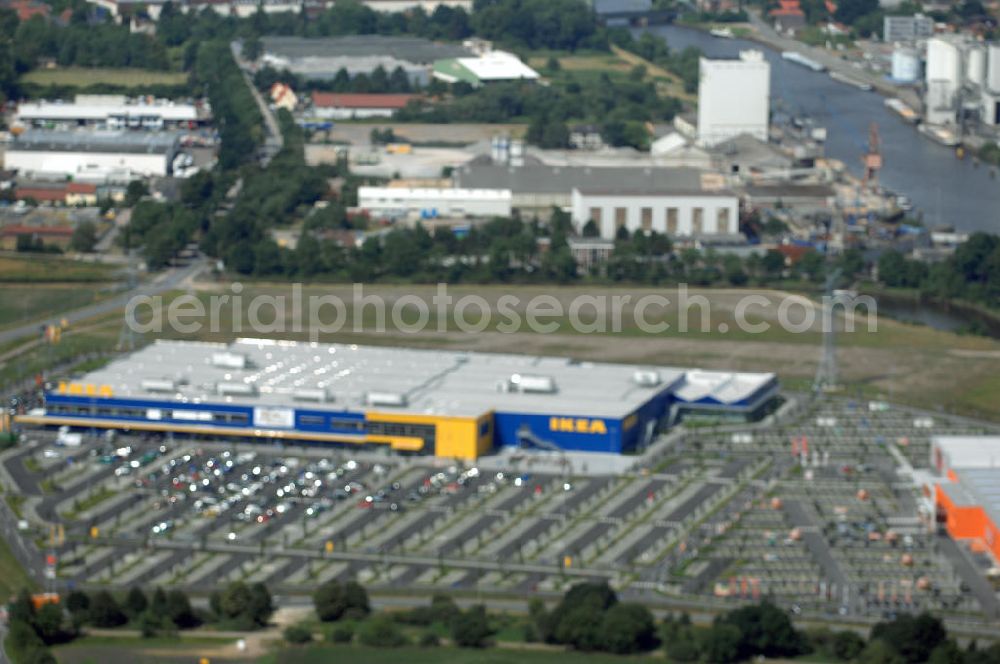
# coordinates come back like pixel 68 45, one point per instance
pixel 959 316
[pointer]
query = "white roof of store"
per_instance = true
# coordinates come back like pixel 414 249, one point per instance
pixel 432 381
pixel 91 112
pixel 963 452
pixel 721 386
pixel 498 66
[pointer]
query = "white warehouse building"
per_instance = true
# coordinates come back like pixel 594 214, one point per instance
pixel 734 97
pixel 111 112
pixel 431 203
pixel 678 213
pixel 92 154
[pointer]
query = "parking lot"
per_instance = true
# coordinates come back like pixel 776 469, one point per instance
pixel 811 511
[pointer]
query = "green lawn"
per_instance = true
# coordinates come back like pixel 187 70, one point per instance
pixel 323 654
pixel 12 576
pixel 28 303
pixel 41 268
pixel 81 77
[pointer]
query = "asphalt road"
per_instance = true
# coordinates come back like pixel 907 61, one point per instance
pixel 167 281
pixel 980 588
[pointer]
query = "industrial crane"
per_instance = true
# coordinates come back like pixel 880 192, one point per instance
pixel 872 159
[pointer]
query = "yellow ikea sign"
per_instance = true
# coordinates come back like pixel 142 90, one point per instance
pixel 577 425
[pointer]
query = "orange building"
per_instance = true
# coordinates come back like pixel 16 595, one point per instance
pixel 967 498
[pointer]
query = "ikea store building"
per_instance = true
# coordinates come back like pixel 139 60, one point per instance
pixel 444 403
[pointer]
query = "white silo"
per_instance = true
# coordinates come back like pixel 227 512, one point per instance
pixel 943 77
pixel 905 65
pixel 944 61
pixel 975 64
pixel 993 68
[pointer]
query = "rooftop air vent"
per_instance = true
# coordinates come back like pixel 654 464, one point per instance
pixel 229 360
pixel 533 384
pixel 236 389
pixel 318 395
pixel 391 399
pixel 646 378
pixel 159 385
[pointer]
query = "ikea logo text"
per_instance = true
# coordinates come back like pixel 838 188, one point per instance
pixel 577 425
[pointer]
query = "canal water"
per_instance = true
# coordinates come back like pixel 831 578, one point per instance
pixel 946 190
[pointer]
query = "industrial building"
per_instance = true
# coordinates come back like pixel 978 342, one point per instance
pixel 431 203
pixel 322 59
pixel 905 67
pixel 537 188
pixel 967 495
pixel 486 68
pixel 734 97
pixel 961 80
pixel 677 213
pixel 111 112
pixel 348 106
pixel 446 403
pixel 92 154
pixel 906 28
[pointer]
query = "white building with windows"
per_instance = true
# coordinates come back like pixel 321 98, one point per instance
pixel 675 213
pixel 734 97
pixel 431 203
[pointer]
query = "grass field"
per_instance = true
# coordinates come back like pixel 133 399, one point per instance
pixel 27 303
pixel 81 77
pixel 618 62
pixel 12 575
pixel 897 361
pixel 322 654
pixel 41 268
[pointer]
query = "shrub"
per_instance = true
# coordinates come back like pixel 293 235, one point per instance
pixel 342 634
pixel 381 632
pixel 297 634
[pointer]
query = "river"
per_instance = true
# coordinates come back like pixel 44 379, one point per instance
pixel 946 190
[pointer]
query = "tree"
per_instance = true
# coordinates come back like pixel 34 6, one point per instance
pixel 22 609
pixel 471 628
pixel 158 602
pixel 721 644
pixel 443 609
pixel 134 192
pixel 628 628
pixel 178 609
pixel 84 237
pixel 773 263
pixel 78 604
pixel 297 634
pixel 577 618
pixel 329 602
pixel 947 652
pixel 248 607
pixel 849 11
pixel 879 652
pixel 912 637
pixel 105 612
pixel 261 605
pixel 135 603
pixel 766 630
pixel 49 623
pixel 356 599
pixel 846 646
